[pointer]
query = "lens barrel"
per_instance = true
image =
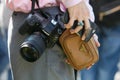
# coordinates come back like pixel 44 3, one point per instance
pixel 29 52
pixel 32 48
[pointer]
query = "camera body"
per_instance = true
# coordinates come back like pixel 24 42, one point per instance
pixel 44 32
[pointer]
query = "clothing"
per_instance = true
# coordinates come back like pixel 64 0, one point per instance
pixel 104 7
pixel 51 65
pixel 25 5
pixel 3 54
pixel 109 51
pixel 5 73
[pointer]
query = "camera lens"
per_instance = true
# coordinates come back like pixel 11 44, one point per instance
pixel 33 47
pixel 29 53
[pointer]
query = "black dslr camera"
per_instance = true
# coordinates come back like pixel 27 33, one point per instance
pixel 44 32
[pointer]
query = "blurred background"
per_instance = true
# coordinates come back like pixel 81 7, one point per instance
pixel 5 13
pixel 107 17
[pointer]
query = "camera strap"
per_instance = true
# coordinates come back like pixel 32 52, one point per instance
pixel 33 5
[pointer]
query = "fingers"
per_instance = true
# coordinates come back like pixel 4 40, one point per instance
pixel 96 40
pixel 77 29
pixel 67 61
pixel 86 28
pixel 90 66
pixel 87 23
pixel 69 25
pixel 79 12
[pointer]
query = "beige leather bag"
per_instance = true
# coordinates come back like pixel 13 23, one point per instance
pixel 80 54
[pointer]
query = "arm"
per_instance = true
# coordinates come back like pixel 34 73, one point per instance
pixel 80 10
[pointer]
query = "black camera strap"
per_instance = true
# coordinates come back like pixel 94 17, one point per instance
pixel 33 8
pixel 33 5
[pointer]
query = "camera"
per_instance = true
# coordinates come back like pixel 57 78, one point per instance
pixel 44 32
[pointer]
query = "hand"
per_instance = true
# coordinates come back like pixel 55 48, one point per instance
pixel 79 12
pixel 97 44
pixel 96 40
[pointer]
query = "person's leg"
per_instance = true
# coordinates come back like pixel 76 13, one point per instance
pixel 3 54
pixel 89 74
pixel 109 53
pixel 50 66
pixel 4 61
